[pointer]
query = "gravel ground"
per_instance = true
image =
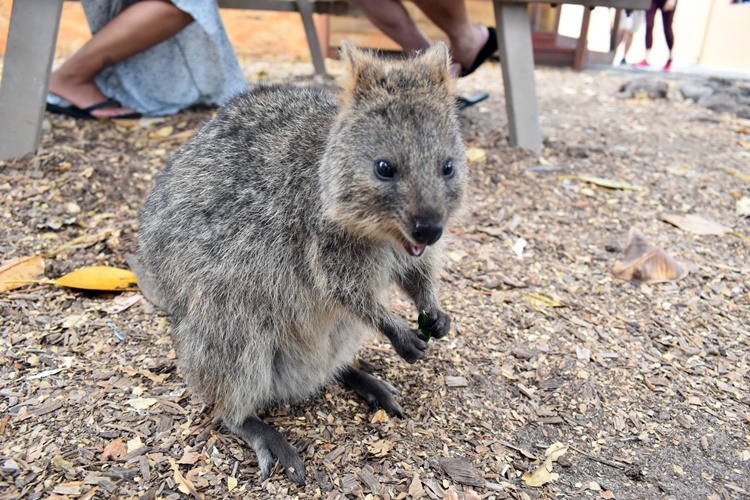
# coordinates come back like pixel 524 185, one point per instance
pixel 642 388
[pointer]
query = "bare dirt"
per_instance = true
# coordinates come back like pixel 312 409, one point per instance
pixel 647 385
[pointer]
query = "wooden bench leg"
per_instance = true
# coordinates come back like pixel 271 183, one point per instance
pixel 579 62
pixel 28 62
pixel 517 60
pixel 306 11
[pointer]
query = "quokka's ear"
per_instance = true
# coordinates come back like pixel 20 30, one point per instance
pixel 363 69
pixel 438 59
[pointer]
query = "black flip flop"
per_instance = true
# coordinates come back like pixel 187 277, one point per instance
pixel 85 113
pixel 485 53
pixel 466 102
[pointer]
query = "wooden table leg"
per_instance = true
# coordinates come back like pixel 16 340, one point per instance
pixel 306 11
pixel 517 60
pixel 28 62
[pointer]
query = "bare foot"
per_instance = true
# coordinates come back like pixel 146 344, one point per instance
pixel 84 94
pixel 466 48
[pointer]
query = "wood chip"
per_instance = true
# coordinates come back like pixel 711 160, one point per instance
pixel 461 471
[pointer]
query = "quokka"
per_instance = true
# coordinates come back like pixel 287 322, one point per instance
pixel 274 236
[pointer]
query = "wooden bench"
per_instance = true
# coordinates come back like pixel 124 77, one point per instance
pixel 34 26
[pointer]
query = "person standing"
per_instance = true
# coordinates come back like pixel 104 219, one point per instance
pixel 667 8
pixel 630 22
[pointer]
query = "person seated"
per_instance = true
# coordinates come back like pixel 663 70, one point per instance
pixel 147 57
pixel 471 44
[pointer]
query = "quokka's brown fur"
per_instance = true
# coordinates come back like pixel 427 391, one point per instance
pixel 273 237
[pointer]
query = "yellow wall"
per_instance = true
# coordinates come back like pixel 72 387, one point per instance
pixel 728 37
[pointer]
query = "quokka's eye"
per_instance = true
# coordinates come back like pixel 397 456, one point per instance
pixel 384 170
pixel 448 170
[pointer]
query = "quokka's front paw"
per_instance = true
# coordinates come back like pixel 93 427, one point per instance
pixel 409 346
pixel 438 323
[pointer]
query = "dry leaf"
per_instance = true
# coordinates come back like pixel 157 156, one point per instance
pixel 190 457
pixel 184 485
pixel 743 207
pixel 134 444
pixel 607 183
pixel 380 448
pixel 415 488
pixel 100 278
pixel 645 262
pixel 556 451
pixel 695 224
pixel 476 155
pixel 142 403
pixel 69 488
pixel 162 132
pixel 541 300
pixel 543 474
pixel 123 302
pixel 114 450
pixel 380 417
pixel 20 272
pixel 231 483
pixel 607 494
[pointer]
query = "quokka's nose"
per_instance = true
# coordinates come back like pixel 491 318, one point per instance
pixel 426 232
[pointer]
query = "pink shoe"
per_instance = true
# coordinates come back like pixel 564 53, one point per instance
pixel 668 66
pixel 642 64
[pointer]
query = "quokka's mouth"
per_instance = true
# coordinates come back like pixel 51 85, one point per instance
pixel 414 250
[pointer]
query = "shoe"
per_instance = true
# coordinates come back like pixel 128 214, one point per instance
pixel 467 102
pixel 668 66
pixel 85 113
pixel 490 47
pixel 642 64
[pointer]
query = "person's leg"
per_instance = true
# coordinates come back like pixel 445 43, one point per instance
pixel 650 17
pixel 667 16
pixel 135 29
pixel 451 16
pixel 627 38
pixel 390 17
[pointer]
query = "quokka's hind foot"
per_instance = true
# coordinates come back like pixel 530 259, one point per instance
pixel 270 445
pixel 378 393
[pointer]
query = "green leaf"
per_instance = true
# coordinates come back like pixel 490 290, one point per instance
pixel 422 321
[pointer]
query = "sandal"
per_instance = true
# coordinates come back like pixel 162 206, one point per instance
pixel 85 113
pixel 490 47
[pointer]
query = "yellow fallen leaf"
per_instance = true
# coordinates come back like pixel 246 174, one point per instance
pixel 231 483
pixel 695 224
pixel 134 444
pixel 607 183
pixel 101 278
pixel 162 132
pixel 538 299
pixel 543 474
pixel 738 174
pixel 142 403
pixel 556 451
pixel 20 272
pixel 476 155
